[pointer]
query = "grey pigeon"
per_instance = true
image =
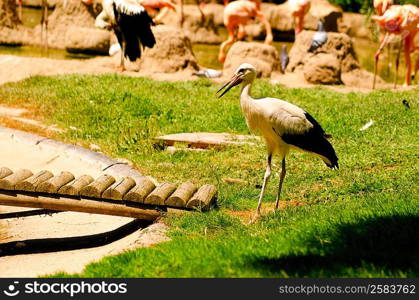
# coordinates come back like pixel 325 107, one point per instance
pixel 209 73
pixel 284 58
pixel 319 38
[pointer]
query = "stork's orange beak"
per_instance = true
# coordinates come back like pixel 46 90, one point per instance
pixel 235 80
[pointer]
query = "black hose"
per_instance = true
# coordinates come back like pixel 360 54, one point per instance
pixel 71 243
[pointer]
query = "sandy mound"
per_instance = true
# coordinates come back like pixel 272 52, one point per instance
pixel 333 63
pixel 264 57
pixel 281 20
pixel 8 14
pixel 10 25
pixel 338 44
pixel 193 27
pixel 66 15
pixel 355 25
pixel 172 52
pixel 322 68
pixel 38 3
pixel 87 40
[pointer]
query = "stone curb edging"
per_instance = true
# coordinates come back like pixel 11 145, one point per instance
pixel 108 165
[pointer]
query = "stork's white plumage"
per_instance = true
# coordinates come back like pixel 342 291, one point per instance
pixel 283 126
pixel 131 24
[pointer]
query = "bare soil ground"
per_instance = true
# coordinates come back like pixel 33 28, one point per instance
pixel 21 152
pixel 24 67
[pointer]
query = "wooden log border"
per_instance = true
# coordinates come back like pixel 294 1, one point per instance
pixel 44 190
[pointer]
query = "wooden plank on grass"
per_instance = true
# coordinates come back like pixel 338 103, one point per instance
pixel 206 139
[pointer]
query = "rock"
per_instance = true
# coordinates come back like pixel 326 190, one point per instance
pixel 193 28
pixel 38 3
pixel 87 40
pixel 65 15
pixel 281 20
pixel 264 57
pixel 8 14
pixel 172 52
pixel 338 44
pixel 362 79
pixel 322 10
pixel 355 25
pixel 333 63
pixel 217 10
pixel 323 68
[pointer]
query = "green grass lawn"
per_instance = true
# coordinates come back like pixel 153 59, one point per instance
pixel 359 221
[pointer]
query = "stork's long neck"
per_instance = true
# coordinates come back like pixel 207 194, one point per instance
pixel 246 91
pixel 245 97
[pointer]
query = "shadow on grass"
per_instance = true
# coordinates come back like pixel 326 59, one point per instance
pixel 389 243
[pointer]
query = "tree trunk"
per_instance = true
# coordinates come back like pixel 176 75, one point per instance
pixel 8 14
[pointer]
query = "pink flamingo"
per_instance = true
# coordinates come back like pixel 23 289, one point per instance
pixel 299 8
pixel 236 15
pixel 380 6
pixel 19 8
pixel 400 20
pixel 152 6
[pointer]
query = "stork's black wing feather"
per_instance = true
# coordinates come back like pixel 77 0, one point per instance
pixel 133 29
pixel 313 140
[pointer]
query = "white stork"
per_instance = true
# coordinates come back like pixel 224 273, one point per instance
pixel 131 24
pixel 283 126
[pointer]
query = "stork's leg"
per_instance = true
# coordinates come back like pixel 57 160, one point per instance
pixel 281 180
pixel 265 182
pixel 122 64
pixel 377 56
pixel 200 6
pixel 397 63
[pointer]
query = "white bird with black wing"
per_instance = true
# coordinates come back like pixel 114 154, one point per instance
pixel 283 126
pixel 131 24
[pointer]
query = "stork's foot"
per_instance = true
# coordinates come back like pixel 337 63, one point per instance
pixel 121 69
pixel 254 219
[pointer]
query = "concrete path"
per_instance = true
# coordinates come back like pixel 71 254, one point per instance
pixel 23 150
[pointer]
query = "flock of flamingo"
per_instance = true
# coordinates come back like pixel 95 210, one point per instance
pixel 393 20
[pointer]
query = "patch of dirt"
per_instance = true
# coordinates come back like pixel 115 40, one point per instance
pixel 69 224
pixel 45 156
pixel 267 207
pixel 24 67
pixel 22 119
